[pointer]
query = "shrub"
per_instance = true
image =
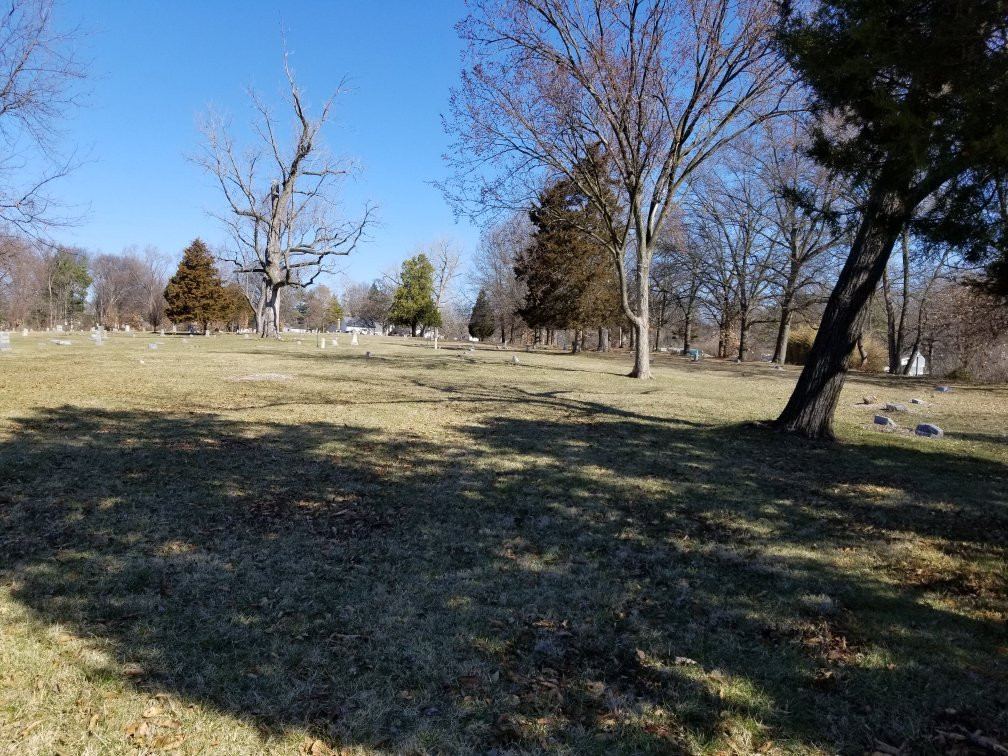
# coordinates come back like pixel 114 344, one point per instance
pixel 800 345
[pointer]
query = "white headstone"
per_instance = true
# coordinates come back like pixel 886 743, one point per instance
pixel 24 332
pixel 59 329
pixel 162 331
pixel 152 346
pixel 126 328
pixel 321 343
pixel 335 340
pixel 5 342
pixel 353 340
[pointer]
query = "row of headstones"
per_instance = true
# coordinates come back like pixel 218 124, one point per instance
pixel 335 341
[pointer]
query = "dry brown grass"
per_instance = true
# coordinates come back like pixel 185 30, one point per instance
pixel 441 552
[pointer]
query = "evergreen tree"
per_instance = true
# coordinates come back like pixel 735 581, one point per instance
pixel 195 293
pixel 482 323
pixel 413 301
pixel 911 98
pixel 570 278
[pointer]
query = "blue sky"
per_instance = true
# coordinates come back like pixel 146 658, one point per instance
pixel 155 67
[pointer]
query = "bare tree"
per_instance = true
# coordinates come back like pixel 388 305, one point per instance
pixel 37 76
pixel 805 215
pixel 494 270
pixel 282 215
pixel 654 88
pixel 447 262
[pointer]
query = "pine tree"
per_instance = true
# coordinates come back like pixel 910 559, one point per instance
pixel 413 301
pixel 195 293
pixel 911 97
pixel 482 323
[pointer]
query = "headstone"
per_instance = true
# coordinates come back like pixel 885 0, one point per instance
pixel 515 360
pixel 207 333
pixel 472 349
pixel 368 354
pixel 353 340
pixel 162 332
pixel 942 389
pixel 321 344
pixel 884 421
pixel 152 346
pixel 61 342
pixel 59 329
pixel 895 408
pixel 335 340
pixel 127 329
pixel 870 399
pixel 917 401
pixel 930 430
pixel 24 332
pixel 5 342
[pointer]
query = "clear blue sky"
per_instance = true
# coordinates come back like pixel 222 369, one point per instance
pixel 156 66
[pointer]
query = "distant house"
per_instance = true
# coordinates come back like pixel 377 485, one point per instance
pixel 918 365
pixel 359 325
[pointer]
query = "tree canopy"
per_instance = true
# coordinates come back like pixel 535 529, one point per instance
pixel 195 293
pixel 482 323
pixel 413 300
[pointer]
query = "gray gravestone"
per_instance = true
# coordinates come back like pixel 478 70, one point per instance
pixel 885 422
pixel 5 345
pixel 930 430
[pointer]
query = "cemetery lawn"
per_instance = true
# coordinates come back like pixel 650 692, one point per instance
pixel 229 546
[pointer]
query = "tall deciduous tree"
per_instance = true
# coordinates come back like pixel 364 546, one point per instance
pixel 38 72
pixel 659 87
pixel 912 102
pixel 195 293
pixel 413 301
pixel 281 209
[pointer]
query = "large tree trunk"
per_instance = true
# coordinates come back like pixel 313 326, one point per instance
pixel 809 412
pixel 687 332
pixel 743 344
pixel 271 313
pixel 783 335
pixel 603 339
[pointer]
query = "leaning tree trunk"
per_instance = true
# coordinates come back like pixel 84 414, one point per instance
pixel 809 411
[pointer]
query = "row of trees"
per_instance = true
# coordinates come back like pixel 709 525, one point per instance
pixel 44 286
pixel 656 115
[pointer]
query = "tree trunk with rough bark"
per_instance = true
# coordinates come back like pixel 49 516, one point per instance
pixel 783 335
pixel 809 412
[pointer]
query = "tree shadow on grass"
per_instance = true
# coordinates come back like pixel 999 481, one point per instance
pixel 595 580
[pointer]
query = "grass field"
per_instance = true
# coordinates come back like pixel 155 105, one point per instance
pixel 228 546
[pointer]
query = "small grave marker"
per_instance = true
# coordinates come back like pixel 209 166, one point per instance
pixel 885 422
pixel 5 345
pixel 930 430
pixel 353 340
pixel 895 408
pixel 942 389
pixel 152 347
